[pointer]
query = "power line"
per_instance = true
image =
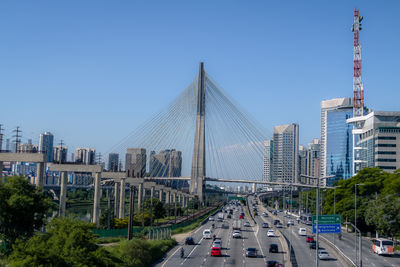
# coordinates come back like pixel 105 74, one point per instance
pixel 17 137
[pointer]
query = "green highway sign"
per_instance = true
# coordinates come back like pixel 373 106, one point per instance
pixel 327 219
pixel 238 198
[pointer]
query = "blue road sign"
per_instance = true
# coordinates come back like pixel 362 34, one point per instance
pixel 327 228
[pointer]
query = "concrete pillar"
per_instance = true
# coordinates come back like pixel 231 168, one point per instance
pixel 63 193
pixel 140 196
pixel 174 197
pixel 167 197
pixel 180 199
pixel 121 213
pixel 97 195
pixel 116 196
pixel 161 193
pixel 253 188
pixel 39 174
pixel 152 192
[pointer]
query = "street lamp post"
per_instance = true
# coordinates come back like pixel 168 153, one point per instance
pixel 359 242
pixel 317 213
pixel 355 223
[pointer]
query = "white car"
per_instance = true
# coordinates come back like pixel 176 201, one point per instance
pixel 290 222
pixel 323 255
pixel 211 219
pixel 302 231
pixel 217 243
pixel 271 233
pixel 247 224
pixel 207 234
pixel 236 234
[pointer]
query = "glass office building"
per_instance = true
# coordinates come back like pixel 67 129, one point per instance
pixel 336 139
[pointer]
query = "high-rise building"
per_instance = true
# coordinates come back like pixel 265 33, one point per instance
pixel 27 148
pixel 46 145
pixel 336 139
pixel 285 153
pixel 302 162
pixel 167 163
pixel 313 160
pixel 378 140
pixel 267 173
pixel 113 161
pixel 60 154
pixel 85 155
pixel 135 162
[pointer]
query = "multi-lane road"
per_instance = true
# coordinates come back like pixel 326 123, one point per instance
pixel 233 250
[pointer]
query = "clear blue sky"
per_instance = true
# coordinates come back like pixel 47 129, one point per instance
pixel 92 71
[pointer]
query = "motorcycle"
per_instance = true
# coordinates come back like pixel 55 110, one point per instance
pixel 182 252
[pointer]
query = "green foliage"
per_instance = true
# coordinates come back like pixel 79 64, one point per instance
pixel 68 242
pixel 104 219
pixel 377 201
pixel 139 252
pixel 159 210
pixel 22 209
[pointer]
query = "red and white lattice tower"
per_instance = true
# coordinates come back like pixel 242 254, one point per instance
pixel 358 90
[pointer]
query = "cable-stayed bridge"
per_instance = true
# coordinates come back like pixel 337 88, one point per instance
pixel 217 139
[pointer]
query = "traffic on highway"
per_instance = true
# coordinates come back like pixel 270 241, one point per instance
pixel 234 238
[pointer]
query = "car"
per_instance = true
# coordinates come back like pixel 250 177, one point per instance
pixel 217 243
pixel 302 231
pixel 279 225
pixel 313 244
pixel 255 213
pixel 265 214
pixel 272 263
pixel 276 222
pixel 309 238
pixel 236 234
pixel 271 233
pixel 323 255
pixel 189 241
pixel 211 218
pixel 228 216
pixel 207 234
pixel 290 222
pixel 265 225
pixel 215 251
pixel 273 248
pixel 251 252
pixel 241 216
pixel 247 224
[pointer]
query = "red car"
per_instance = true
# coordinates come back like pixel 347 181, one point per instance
pixel 309 239
pixel 215 251
pixel 241 216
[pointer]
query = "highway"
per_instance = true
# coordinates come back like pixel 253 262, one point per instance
pixel 233 250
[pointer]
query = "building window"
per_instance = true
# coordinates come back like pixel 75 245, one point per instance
pixel 386 152
pixel 385 145
pixel 386 138
pixel 386 160
pixel 387 167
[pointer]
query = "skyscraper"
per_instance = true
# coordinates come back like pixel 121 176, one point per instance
pixel 135 162
pixel 285 153
pixel 167 163
pixel 379 140
pixel 113 161
pixel 302 162
pixel 60 154
pixel 336 139
pixel 267 173
pixel 46 145
pixel 313 159
pixel 85 155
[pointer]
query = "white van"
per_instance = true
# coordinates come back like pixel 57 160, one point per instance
pixel 303 231
pixel 207 234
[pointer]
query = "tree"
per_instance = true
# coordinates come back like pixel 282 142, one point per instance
pixel 22 209
pixel 136 253
pixel 384 214
pixel 68 242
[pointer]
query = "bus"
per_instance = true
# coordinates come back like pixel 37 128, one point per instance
pixel 306 218
pixel 383 246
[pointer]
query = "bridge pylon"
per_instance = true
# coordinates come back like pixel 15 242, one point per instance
pixel 197 185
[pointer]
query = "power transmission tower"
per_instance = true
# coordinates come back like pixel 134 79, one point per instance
pixel 17 137
pixel 1 137
pixel 61 151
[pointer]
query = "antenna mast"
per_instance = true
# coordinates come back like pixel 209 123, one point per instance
pixel 358 90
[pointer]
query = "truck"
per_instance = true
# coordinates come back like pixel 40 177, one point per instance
pixel 236 225
pixel 220 217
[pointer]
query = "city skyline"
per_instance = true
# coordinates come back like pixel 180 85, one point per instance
pixel 253 76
